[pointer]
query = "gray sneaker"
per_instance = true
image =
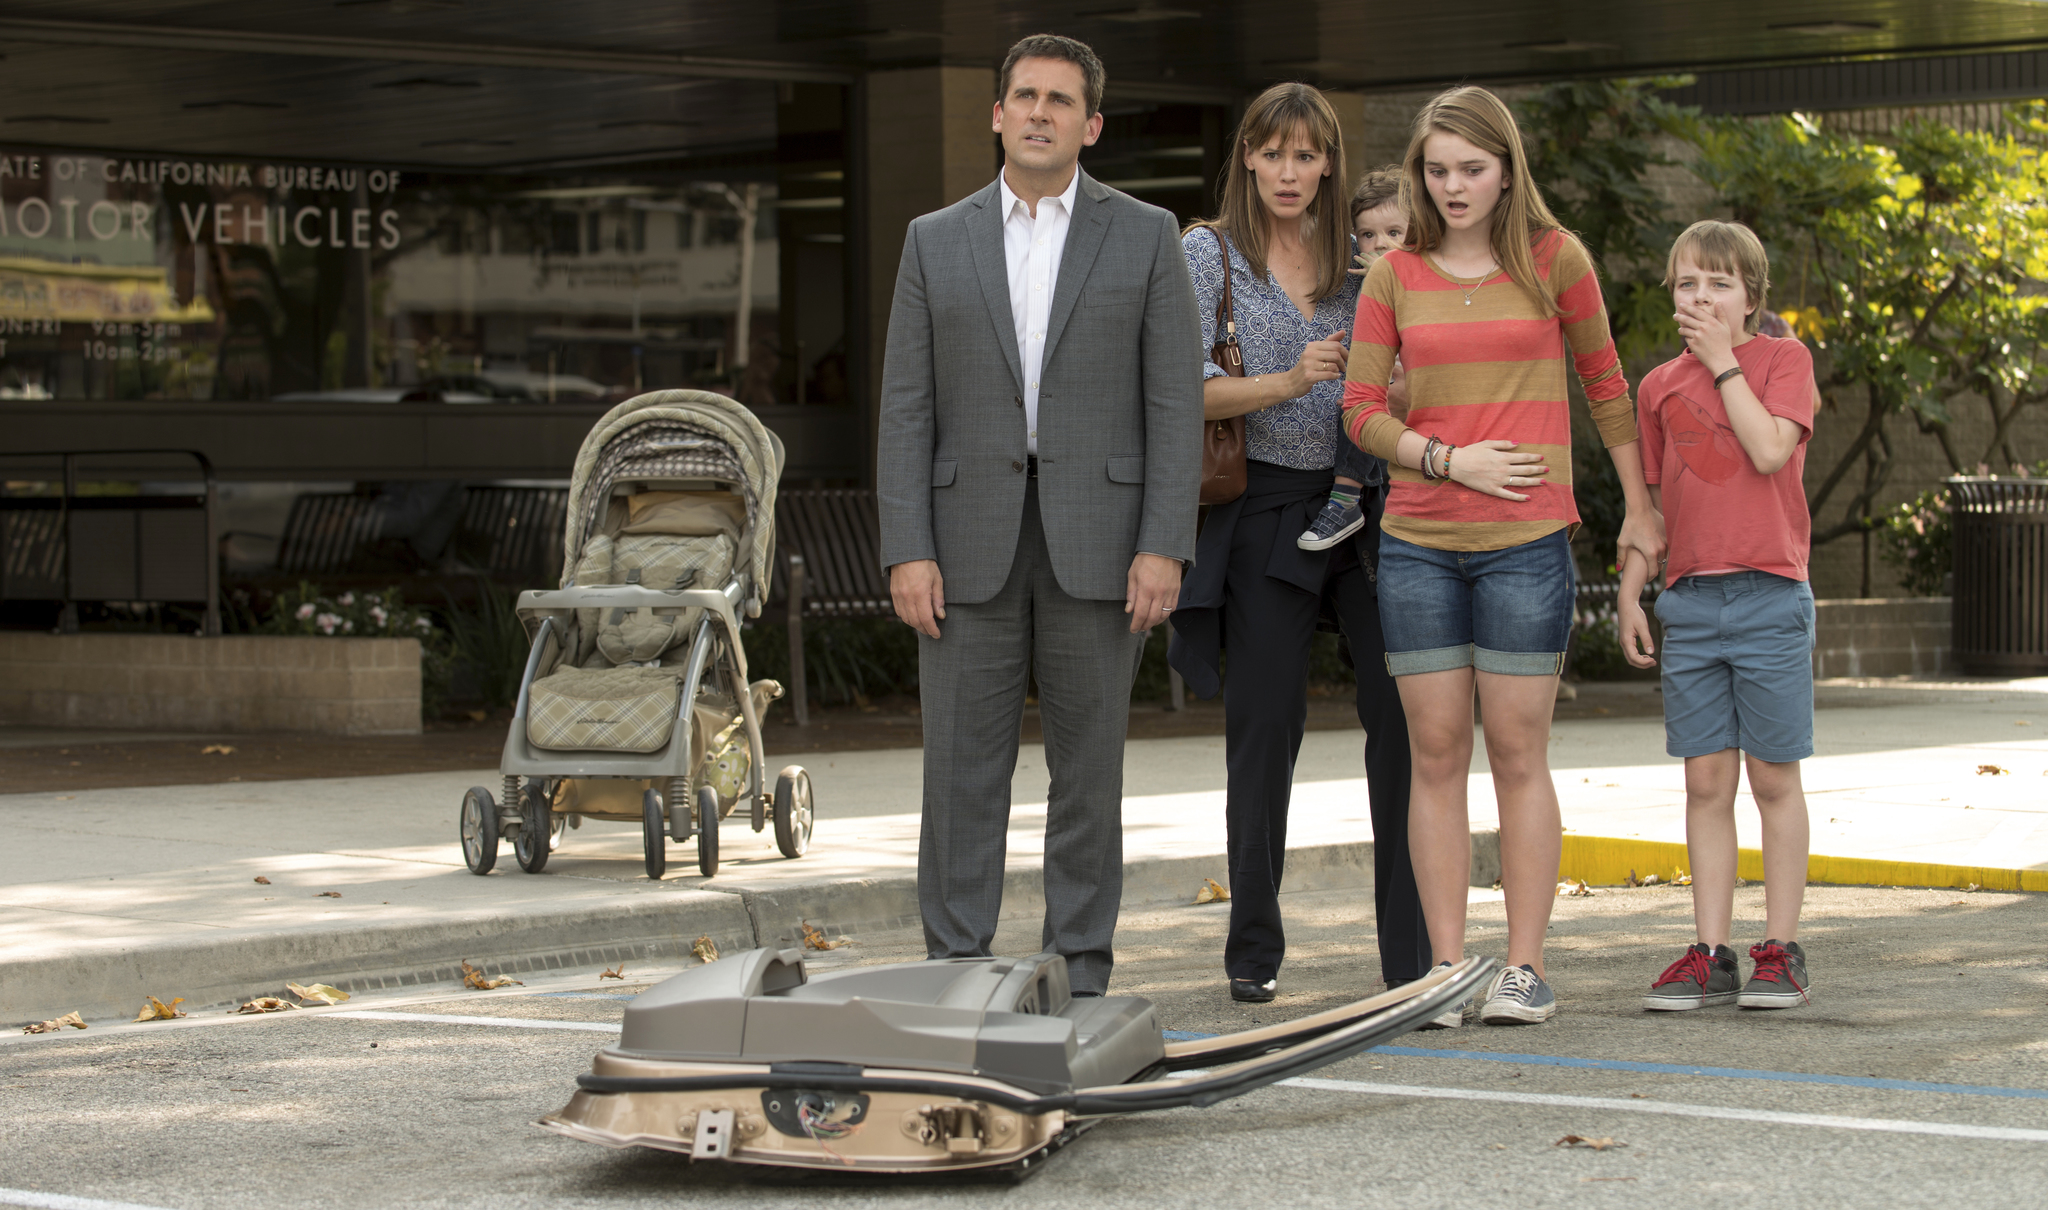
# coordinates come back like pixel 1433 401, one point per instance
pixel 1332 525
pixel 1701 977
pixel 1519 997
pixel 1450 1018
pixel 1779 980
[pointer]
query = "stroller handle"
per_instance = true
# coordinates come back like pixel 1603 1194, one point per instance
pixel 631 596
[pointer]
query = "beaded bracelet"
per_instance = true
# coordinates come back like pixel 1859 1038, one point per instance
pixel 1448 451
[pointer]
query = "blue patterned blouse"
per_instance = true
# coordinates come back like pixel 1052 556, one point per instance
pixel 1304 433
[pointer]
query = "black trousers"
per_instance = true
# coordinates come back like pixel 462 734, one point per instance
pixel 1268 624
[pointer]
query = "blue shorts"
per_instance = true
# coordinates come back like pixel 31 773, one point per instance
pixel 1505 611
pixel 1738 665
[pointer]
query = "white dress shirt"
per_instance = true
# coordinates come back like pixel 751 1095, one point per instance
pixel 1031 249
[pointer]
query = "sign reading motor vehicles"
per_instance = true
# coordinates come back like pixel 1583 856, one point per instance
pixel 89 199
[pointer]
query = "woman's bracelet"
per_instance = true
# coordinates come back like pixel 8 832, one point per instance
pixel 1429 449
pixel 1448 451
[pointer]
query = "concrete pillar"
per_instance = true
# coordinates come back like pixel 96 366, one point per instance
pixel 1350 107
pixel 928 145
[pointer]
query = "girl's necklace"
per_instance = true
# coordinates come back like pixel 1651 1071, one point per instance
pixel 1491 269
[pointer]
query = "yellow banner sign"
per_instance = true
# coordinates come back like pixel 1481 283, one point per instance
pixel 37 289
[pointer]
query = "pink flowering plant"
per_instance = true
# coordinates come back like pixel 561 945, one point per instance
pixel 306 610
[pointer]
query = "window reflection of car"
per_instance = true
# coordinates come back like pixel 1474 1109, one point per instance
pixel 414 394
pixel 520 385
pixel 487 386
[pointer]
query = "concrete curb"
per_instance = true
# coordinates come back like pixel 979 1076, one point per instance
pixel 1603 860
pixel 108 980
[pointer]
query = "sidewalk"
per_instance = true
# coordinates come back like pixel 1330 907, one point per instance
pixel 108 895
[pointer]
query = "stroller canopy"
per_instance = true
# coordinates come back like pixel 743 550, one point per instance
pixel 679 435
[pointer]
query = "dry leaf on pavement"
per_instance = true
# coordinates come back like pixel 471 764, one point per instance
pixel 1576 1140
pixel 1212 892
pixel 1972 887
pixel 1991 771
pixel 217 750
pixel 262 881
pixel 267 1004
pixel 474 977
pixel 54 1024
pixel 814 938
pixel 704 949
pixel 328 895
pixel 1681 878
pixel 317 993
pixel 157 1010
pixel 1650 880
pixel 614 972
pixel 1574 886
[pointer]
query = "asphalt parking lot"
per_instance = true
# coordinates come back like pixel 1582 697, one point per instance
pixel 1826 1105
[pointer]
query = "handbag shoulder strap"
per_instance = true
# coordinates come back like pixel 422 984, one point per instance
pixel 1226 310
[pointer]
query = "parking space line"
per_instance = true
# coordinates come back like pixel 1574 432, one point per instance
pixel 1726 1073
pixel 449 1019
pixel 1671 1109
pixel 1682 1069
pixel 60 1201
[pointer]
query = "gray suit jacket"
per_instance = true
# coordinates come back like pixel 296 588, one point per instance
pixel 1119 402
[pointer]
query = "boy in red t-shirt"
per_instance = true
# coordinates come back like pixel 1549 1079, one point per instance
pixel 1724 428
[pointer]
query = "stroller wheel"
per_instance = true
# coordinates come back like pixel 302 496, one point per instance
pixel 479 830
pixel 536 825
pixel 793 811
pixel 707 831
pixel 651 834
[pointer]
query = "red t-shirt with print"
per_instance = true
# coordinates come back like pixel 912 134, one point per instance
pixel 1720 515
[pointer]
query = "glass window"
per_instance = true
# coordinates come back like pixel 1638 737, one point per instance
pixel 131 277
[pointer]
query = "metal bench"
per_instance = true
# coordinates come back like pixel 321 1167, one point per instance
pixel 148 548
pixel 511 533
pixel 829 541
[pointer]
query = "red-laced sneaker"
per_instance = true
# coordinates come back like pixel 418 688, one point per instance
pixel 1779 980
pixel 1699 978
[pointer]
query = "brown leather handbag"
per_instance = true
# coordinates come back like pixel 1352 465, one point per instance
pixel 1223 473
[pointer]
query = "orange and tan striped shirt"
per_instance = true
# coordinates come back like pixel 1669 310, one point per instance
pixel 1493 368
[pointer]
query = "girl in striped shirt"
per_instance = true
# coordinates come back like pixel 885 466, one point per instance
pixel 1483 307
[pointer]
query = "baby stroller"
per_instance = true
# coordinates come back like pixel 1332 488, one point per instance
pixel 635 703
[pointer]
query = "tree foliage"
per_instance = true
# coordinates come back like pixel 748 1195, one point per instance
pixel 1918 269
pixel 1913 262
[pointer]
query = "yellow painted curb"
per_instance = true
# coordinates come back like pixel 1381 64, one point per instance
pixel 1604 860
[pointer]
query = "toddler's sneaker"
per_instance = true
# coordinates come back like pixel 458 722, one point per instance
pixel 1450 1018
pixel 1334 524
pixel 1779 980
pixel 1699 978
pixel 1519 997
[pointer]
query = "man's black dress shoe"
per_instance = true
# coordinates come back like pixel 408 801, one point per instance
pixel 1251 991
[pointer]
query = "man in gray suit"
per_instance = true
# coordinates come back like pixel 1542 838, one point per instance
pixel 1040 449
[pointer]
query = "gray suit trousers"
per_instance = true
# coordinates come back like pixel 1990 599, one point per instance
pixel 973 680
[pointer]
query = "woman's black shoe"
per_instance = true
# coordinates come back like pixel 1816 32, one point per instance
pixel 1251 991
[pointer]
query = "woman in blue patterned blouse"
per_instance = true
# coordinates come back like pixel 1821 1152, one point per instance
pixel 1252 590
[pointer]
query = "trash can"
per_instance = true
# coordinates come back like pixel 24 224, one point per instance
pixel 2000 608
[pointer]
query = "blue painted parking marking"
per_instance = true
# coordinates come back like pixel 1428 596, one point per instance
pixel 1681 1069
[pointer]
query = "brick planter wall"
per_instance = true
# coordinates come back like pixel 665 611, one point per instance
pixel 231 683
pixel 1899 636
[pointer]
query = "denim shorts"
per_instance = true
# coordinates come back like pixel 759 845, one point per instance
pixel 1738 665
pixel 1505 611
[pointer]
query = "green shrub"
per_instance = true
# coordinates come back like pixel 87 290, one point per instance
pixel 1918 541
pixel 846 660
pixel 486 645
